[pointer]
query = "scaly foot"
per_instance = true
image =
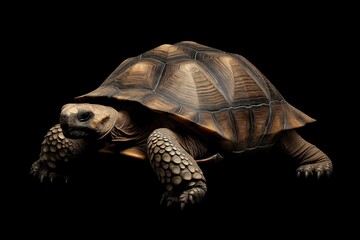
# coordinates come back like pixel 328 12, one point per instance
pixel 188 197
pixel 56 152
pixel 316 169
pixel 46 169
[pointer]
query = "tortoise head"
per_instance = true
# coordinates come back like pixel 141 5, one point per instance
pixel 85 120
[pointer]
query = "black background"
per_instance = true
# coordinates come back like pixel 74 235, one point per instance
pixel 60 52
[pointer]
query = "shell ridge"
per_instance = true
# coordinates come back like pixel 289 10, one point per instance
pixel 234 129
pixel 191 45
pixel 215 82
pixel 251 128
pixel 124 65
pixel 268 122
pixel 284 115
pixel 253 72
pixel 160 77
pixel 180 109
pixel 243 106
pixel 217 124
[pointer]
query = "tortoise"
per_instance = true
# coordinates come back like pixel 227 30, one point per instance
pixel 177 105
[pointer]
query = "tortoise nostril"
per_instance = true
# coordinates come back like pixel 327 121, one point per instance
pixel 64 117
pixel 84 116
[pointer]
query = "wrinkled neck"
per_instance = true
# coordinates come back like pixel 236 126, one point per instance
pixel 108 123
pixel 126 130
pixel 123 120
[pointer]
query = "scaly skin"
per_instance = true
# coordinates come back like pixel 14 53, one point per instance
pixel 312 161
pixel 56 151
pixel 176 169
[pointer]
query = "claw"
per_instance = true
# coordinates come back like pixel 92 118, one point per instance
pixel 162 201
pixel 182 206
pixel 191 198
pixel 34 167
pixel 42 176
pixel 298 174
pixel 318 174
pixel 306 173
pixel 66 179
pixel 33 171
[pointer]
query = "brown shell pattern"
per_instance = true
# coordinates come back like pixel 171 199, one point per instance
pixel 221 92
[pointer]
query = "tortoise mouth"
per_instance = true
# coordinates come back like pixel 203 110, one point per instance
pixel 77 132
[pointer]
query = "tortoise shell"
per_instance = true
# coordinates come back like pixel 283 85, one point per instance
pixel 213 91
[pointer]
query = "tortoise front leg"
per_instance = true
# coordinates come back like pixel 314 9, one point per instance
pixel 311 159
pixel 56 151
pixel 176 169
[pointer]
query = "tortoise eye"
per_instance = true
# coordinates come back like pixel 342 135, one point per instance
pixel 84 116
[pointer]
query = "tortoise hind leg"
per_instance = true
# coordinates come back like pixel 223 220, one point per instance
pixel 311 159
pixel 184 181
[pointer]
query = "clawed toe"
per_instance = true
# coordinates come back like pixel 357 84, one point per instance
pixel 42 171
pixel 186 198
pixel 318 170
pixel 169 198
